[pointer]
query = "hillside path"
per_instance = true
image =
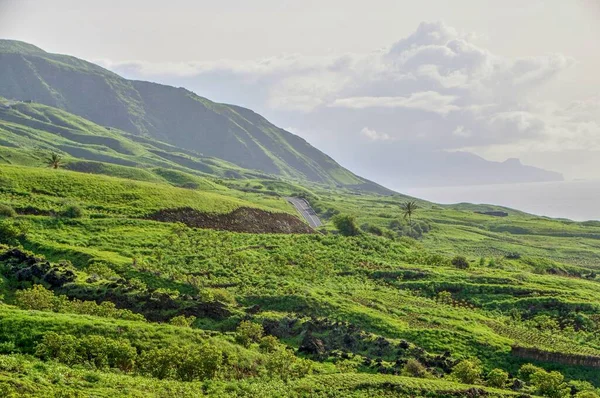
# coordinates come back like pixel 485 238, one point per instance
pixel 307 212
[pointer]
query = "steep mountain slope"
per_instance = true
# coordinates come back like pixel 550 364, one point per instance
pixel 172 115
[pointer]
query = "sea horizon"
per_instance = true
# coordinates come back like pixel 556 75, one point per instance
pixel 575 200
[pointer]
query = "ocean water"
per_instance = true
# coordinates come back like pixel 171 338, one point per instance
pixel 575 200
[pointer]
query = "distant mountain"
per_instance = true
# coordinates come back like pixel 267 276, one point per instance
pixel 411 167
pixel 172 115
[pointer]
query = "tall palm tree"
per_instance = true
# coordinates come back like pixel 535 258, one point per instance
pixel 54 161
pixel 408 210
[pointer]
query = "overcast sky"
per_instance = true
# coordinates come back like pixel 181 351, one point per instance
pixel 501 79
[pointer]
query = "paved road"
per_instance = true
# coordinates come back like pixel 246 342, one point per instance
pixel 307 212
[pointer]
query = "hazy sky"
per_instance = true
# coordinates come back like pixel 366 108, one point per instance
pixel 497 78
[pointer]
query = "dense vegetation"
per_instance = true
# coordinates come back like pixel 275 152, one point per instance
pixel 397 306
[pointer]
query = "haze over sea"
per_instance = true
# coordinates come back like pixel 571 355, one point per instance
pixel 575 200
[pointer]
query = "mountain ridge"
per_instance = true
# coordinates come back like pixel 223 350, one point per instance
pixel 176 116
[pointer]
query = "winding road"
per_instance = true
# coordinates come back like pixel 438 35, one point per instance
pixel 307 212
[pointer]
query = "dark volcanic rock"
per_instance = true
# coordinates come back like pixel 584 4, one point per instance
pixel 244 219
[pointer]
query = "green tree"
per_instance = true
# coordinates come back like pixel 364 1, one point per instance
pixel 54 161
pixel 409 209
pixel 467 371
pixel 346 224
pixel 497 378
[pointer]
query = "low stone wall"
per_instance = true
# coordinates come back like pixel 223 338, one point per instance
pixel 557 357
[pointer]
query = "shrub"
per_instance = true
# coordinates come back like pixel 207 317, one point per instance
pixel 414 368
pixel 285 365
pixel 268 344
pixel 248 332
pixel 346 224
pixel 586 394
pixel 526 371
pixel 550 384
pixel 467 371
pixel 60 347
pixel 36 298
pixel 158 363
pixel 497 378
pixel 545 322
pixel 12 231
pixel 7 211
pixel 182 320
pixel 372 229
pixel 184 363
pixel 198 362
pixel 99 351
pixel 460 262
pixel 72 211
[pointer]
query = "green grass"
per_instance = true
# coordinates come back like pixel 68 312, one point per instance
pixel 50 190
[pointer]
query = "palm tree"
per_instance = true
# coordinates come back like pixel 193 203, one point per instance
pixel 54 161
pixel 408 210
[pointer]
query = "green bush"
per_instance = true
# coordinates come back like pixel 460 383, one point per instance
pixel 285 365
pixel 7 211
pixel 197 362
pixel 36 298
pixel 72 211
pixel 460 262
pixel 12 231
pixel 59 347
pixel 467 371
pixel 414 368
pixel 587 394
pixel 182 320
pixel 185 363
pixel 527 370
pixel 346 224
pixel 248 332
pixel 550 384
pixel 268 344
pixel 497 378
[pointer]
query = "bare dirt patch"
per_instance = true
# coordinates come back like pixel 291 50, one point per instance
pixel 244 219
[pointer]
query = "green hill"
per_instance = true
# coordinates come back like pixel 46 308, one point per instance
pixel 172 115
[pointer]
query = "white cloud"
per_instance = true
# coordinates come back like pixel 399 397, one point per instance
pixel 436 88
pixel 460 131
pixel 374 135
pixel 429 101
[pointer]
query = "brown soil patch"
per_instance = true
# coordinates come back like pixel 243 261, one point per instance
pixel 244 219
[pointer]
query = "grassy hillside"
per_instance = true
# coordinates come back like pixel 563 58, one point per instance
pixel 172 115
pixel 385 313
